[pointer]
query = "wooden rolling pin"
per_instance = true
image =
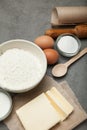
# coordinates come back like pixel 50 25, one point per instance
pixel 80 31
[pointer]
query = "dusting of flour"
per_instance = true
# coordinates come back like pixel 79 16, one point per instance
pixel 19 69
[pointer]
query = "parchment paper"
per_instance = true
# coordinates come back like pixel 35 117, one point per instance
pixel 78 116
pixel 69 15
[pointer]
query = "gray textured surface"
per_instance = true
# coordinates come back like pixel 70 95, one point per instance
pixel 28 19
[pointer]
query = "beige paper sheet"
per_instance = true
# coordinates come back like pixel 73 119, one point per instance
pixel 78 116
pixel 69 15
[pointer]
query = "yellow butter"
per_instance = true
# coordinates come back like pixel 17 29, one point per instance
pixel 67 107
pixel 63 107
pixel 38 114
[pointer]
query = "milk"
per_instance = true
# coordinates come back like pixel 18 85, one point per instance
pixel 5 104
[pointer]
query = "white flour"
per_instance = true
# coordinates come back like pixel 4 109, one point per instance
pixel 19 69
pixel 68 44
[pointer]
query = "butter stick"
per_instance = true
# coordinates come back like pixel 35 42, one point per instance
pixel 62 106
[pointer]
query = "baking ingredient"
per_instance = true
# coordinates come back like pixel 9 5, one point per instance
pixel 44 111
pixel 63 107
pixel 19 69
pixel 44 42
pixel 38 114
pixel 67 44
pixel 52 98
pixel 51 55
pixel 5 105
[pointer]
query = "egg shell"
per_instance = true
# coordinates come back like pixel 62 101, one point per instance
pixel 51 55
pixel 44 42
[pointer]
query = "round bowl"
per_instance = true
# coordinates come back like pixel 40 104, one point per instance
pixel 66 54
pixel 9 109
pixel 31 48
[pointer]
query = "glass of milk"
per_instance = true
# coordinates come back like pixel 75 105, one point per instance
pixel 68 45
pixel 5 104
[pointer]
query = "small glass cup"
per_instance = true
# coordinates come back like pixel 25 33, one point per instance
pixel 66 54
pixel 10 108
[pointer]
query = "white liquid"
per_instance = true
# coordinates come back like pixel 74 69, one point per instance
pixel 68 44
pixel 19 69
pixel 5 104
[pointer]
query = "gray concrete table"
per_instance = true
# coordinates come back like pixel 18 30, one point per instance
pixel 27 19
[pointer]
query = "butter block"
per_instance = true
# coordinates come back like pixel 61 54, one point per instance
pixel 38 114
pixel 63 107
pixel 56 105
pixel 67 107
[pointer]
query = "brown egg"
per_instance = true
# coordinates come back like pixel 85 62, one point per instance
pixel 44 42
pixel 51 55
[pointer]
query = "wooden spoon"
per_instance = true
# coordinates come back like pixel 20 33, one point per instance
pixel 60 70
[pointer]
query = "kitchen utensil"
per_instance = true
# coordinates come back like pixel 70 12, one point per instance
pixel 79 30
pixel 60 70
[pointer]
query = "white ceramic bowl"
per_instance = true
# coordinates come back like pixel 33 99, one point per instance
pixel 34 49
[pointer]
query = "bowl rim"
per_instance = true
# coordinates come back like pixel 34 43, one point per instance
pixel 45 67
pixel 11 106
pixel 66 54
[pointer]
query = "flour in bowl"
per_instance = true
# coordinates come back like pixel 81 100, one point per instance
pixel 19 69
